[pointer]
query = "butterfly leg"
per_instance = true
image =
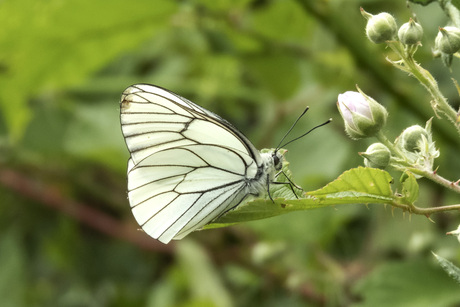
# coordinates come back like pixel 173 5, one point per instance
pixel 268 188
pixel 289 179
pixel 290 185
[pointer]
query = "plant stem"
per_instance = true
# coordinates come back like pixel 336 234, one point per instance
pixel 394 150
pixel 425 211
pixel 433 176
pixel 439 102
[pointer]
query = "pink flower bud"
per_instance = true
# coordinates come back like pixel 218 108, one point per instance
pixel 363 116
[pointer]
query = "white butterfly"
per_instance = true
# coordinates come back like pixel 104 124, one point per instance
pixel 188 165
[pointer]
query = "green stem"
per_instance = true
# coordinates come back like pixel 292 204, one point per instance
pixel 394 150
pixel 439 102
pixel 433 176
pixel 425 211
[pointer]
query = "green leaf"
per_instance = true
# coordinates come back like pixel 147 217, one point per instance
pixel 451 269
pixel 410 188
pixel 414 283
pixel 365 184
pixel 359 185
pixel 62 43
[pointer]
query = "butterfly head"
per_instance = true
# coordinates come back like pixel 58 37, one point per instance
pixel 277 160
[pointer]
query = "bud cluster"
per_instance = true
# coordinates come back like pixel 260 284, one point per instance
pixel 364 117
pixel 417 145
pixel 382 28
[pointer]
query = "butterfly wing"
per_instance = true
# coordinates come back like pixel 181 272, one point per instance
pixel 187 165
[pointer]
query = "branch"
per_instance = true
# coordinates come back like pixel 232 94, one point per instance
pixel 98 220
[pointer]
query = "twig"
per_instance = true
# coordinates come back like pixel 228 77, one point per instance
pixel 424 211
pixel 53 198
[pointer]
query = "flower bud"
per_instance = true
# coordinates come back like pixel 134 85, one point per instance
pixel 377 156
pixel 410 33
pixel 448 40
pixel 380 28
pixel 417 146
pixel 411 138
pixel 363 116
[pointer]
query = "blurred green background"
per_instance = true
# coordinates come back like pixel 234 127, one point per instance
pixel 67 236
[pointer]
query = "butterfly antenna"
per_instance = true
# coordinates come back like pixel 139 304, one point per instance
pixel 320 125
pixel 292 127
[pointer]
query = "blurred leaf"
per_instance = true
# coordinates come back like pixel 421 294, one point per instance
pixel 451 269
pixel 203 279
pixel 95 134
pixel 278 74
pixel 282 20
pixel 12 271
pixel 46 131
pixel 222 5
pixel 220 74
pixel 162 295
pixel 61 43
pixel 410 284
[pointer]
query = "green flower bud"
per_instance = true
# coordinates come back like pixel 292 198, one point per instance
pixel 363 116
pixel 448 40
pixel 411 138
pixel 410 33
pixel 417 146
pixel 377 156
pixel 380 28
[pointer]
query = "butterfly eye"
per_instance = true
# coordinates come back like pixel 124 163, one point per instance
pixel 276 160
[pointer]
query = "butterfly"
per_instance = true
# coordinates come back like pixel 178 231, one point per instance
pixel 187 165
